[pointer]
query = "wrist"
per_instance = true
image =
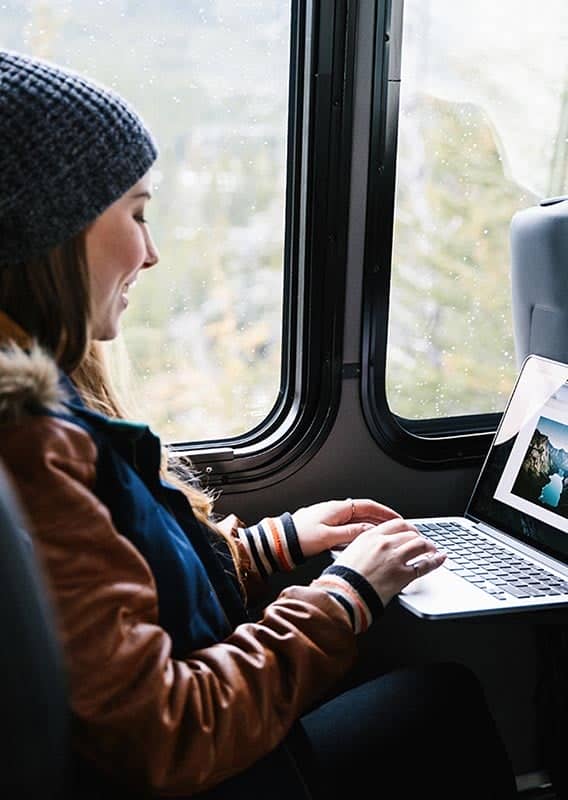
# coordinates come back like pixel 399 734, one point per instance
pixel 354 593
pixel 272 545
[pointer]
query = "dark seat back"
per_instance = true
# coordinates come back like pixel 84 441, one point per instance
pixel 539 277
pixel 33 705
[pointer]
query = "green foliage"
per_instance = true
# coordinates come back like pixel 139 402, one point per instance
pixel 451 349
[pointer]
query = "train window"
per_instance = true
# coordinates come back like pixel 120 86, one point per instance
pixel 211 80
pixel 246 100
pixel 476 128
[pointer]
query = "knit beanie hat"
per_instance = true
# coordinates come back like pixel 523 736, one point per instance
pixel 69 148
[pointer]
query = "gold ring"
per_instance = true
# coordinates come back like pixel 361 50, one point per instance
pixel 350 500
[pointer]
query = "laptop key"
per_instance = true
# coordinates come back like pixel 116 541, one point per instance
pixel 516 591
pixel 488 566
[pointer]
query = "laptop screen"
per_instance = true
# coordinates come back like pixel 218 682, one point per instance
pixel 522 488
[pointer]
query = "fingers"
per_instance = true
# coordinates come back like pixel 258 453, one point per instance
pixel 365 510
pixel 396 525
pixel 351 509
pixel 420 556
pixel 416 546
pixel 345 512
pixel 413 549
pixel 345 533
pixel 425 565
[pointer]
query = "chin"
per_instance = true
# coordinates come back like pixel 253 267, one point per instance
pixel 110 335
pixel 106 333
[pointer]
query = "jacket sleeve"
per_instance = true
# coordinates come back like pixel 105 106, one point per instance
pixel 176 726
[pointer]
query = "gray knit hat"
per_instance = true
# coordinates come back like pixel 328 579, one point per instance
pixel 69 148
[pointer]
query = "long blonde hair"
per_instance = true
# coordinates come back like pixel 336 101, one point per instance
pixel 49 298
pixel 93 380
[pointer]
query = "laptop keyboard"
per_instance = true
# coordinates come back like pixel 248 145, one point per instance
pixel 488 565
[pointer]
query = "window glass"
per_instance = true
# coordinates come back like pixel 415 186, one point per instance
pixel 210 77
pixel 483 132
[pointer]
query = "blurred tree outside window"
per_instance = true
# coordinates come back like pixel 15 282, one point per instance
pixel 203 330
pixel 483 133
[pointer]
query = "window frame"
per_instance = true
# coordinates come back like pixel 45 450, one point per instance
pixel 439 442
pixel 317 205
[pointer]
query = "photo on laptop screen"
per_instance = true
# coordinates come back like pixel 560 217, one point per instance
pixel 523 487
pixel 535 478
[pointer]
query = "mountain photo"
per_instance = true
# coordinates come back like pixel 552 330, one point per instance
pixel 543 476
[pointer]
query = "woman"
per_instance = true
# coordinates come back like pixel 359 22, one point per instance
pixel 174 690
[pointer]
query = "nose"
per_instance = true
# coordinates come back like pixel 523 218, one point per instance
pixel 152 252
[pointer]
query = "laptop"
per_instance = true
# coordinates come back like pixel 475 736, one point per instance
pixel 509 552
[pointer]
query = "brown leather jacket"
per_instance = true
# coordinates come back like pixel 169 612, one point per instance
pixel 176 726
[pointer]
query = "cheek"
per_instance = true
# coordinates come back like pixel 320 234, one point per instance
pixel 134 250
pixel 112 254
pixel 99 260
pixel 124 250
pixel 99 254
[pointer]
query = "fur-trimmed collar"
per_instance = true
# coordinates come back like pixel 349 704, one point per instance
pixel 29 377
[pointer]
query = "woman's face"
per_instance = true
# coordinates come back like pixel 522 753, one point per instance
pixel 118 246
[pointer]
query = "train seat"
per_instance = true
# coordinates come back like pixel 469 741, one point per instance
pixel 539 279
pixel 32 679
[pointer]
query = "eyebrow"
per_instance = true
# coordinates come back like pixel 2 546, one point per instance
pixel 147 195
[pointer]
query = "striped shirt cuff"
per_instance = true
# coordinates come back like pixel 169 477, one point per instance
pixel 272 545
pixel 354 593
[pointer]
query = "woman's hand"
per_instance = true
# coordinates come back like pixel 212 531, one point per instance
pixel 382 555
pixel 324 526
